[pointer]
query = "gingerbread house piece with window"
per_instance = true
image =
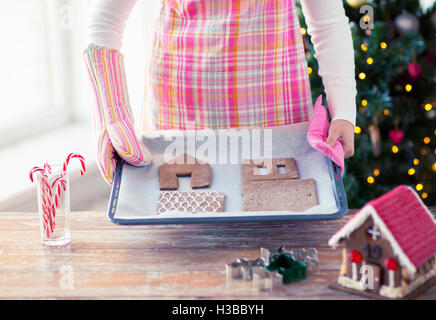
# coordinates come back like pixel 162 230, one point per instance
pixel 390 246
pixel 275 185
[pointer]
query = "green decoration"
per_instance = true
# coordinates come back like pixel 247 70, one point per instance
pixel 291 269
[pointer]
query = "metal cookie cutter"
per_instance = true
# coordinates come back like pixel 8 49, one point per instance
pixel 243 268
pixel 308 256
pixel 265 280
pixel 267 253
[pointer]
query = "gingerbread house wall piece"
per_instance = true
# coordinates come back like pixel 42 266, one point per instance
pixel 276 190
pixel 187 201
pixel 250 169
pixel 395 235
pixel 279 195
pixel 190 201
pixel 181 166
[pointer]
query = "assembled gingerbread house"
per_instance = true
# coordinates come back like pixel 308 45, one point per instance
pixel 390 245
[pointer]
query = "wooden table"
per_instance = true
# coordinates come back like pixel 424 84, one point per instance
pixel 106 260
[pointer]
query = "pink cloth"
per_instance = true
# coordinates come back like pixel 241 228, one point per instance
pixel 318 133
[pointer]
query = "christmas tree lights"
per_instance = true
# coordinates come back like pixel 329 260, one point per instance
pixel 396 98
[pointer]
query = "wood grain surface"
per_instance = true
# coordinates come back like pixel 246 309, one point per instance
pixel 108 261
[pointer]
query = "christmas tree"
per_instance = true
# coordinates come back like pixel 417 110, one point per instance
pixel 395 134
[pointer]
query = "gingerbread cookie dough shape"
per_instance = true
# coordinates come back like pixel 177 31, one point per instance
pixel 276 191
pixel 182 166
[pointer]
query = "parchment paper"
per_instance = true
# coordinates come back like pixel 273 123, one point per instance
pixel 139 189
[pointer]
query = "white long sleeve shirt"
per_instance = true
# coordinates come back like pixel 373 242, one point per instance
pixel 327 25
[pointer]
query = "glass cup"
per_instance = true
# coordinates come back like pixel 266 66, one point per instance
pixel 53 190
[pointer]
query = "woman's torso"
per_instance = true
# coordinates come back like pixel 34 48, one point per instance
pixel 229 63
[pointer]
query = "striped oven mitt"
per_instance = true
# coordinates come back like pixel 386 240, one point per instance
pixel 113 120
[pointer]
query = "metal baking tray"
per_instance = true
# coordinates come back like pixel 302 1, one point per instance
pixel 135 190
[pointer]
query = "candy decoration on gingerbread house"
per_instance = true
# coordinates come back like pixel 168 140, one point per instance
pixel 390 246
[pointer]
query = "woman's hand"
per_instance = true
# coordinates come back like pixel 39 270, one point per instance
pixel 343 131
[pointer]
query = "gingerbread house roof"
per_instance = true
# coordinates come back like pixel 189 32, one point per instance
pixel 403 220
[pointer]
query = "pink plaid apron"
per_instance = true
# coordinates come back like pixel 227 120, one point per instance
pixel 227 63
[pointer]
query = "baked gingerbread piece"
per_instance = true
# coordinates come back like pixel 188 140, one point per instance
pixel 279 195
pixel 277 188
pixel 182 166
pixel 251 169
pixel 190 201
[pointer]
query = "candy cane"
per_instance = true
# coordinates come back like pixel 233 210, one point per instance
pixel 46 204
pixel 34 170
pixel 58 184
pixel 45 214
pixel 78 156
pixel 50 194
pixel 47 168
pixel 45 195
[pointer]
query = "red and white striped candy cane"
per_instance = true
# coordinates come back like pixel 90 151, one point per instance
pixel 56 188
pixel 45 196
pixel 46 204
pixel 34 170
pixel 58 185
pixel 48 201
pixel 50 194
pixel 72 156
pixel 47 168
